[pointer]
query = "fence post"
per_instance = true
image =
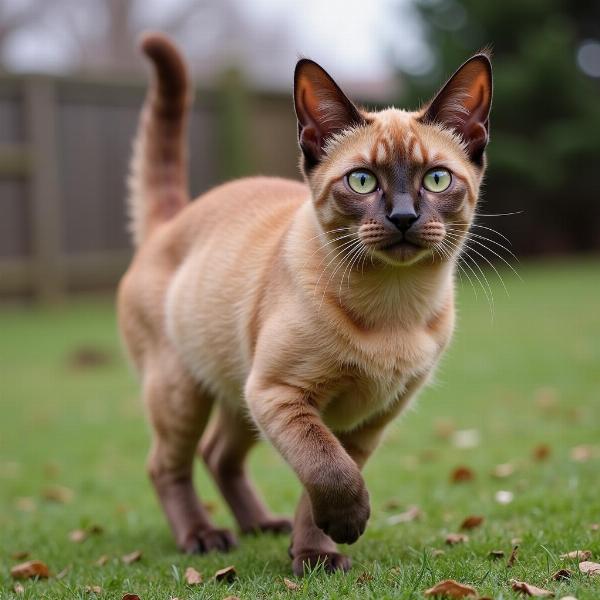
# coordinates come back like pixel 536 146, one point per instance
pixel 44 188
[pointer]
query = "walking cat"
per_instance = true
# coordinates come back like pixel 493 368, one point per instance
pixel 309 313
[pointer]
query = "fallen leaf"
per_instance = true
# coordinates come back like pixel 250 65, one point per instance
pixel 438 552
pixel 132 557
pixel 451 589
pixel 578 554
pixel 541 452
pixel 466 438
pixel 93 589
pixel 462 474
pixel 129 596
pixel 513 556
pixel 58 493
pixel 25 504
pixel 18 589
pixel 102 560
pixel 444 428
pixel 29 569
pixel 229 598
pixel 504 497
pixel 595 526
pixel 456 538
pixel 516 541
pixel 391 504
pixel 78 536
pixel 581 453
pixel 590 568
pixel 192 577
pixel 496 554
pixel 568 598
pixel 472 522
pixel 20 555
pixel 529 590
pixel 364 577
pixel 290 585
pixel 63 573
pixel 562 574
pixel 503 470
pixel 227 574
pixel 412 513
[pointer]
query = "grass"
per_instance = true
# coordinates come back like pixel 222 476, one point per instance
pixel 83 428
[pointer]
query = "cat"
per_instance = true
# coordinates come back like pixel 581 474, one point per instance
pixel 309 313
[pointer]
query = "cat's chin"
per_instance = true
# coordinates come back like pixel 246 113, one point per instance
pixel 402 254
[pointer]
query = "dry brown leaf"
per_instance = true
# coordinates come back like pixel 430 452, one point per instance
pixel 290 585
pixel 581 453
pixel 529 590
pixel 412 513
pixel 58 493
pixel 18 589
pixel 595 526
pixel 590 568
pixel 78 536
pixel 496 554
pixel 364 577
pixel 513 556
pixel 578 554
pixel 462 474
pixel 129 596
pixel 456 538
pixel 93 589
pixel 30 569
pixel 132 557
pixel 227 574
pixel 472 522
pixel 451 589
pixel 541 452
pixel 228 598
pixel 20 555
pixel 192 577
pixel 63 573
pixel 444 428
pixel 25 504
pixel 503 470
pixel 102 560
pixel 562 574
pixel 437 552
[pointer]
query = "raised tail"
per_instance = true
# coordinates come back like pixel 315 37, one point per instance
pixel 158 186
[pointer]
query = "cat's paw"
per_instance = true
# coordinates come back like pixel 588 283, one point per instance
pixel 331 562
pixel 206 540
pixel 344 520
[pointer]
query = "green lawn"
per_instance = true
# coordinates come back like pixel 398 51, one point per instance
pixel 529 376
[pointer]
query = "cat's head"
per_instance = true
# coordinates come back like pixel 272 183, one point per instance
pixel 402 184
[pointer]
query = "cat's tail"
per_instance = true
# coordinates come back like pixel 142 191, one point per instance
pixel 158 171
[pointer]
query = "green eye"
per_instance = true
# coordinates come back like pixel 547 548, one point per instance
pixel 437 180
pixel 362 182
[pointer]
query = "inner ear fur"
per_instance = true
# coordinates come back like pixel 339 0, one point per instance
pixel 463 104
pixel 322 110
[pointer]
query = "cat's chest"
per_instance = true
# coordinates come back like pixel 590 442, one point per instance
pixel 369 382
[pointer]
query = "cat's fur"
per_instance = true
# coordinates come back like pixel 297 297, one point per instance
pixel 295 308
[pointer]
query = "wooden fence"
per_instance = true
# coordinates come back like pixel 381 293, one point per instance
pixel 64 151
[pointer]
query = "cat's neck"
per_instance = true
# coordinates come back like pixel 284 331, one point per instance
pixel 371 294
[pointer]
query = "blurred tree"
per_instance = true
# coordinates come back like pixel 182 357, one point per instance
pixel 545 124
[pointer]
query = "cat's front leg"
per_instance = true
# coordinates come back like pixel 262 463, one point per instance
pixel 289 418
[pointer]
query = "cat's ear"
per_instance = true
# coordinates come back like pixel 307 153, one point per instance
pixel 463 104
pixel 322 109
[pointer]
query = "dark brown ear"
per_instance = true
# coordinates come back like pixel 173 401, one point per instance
pixel 463 104
pixel 322 110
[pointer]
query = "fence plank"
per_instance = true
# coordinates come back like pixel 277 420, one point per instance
pixel 40 111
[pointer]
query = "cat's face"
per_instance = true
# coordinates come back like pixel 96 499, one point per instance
pixel 399 186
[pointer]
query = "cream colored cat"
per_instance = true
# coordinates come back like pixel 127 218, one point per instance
pixel 309 312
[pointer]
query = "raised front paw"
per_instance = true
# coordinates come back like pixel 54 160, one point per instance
pixel 343 516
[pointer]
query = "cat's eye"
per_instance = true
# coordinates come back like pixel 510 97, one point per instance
pixel 437 180
pixel 362 181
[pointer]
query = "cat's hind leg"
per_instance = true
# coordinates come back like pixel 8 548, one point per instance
pixel 224 448
pixel 179 409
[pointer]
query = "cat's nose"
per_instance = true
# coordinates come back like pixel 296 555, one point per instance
pixel 403 219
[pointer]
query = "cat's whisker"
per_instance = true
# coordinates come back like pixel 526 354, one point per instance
pixel 482 227
pixel 345 254
pixel 487 239
pixel 355 260
pixel 341 249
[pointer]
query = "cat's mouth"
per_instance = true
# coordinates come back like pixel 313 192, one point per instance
pixel 401 251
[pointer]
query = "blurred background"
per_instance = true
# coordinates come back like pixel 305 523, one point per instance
pixel 72 82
